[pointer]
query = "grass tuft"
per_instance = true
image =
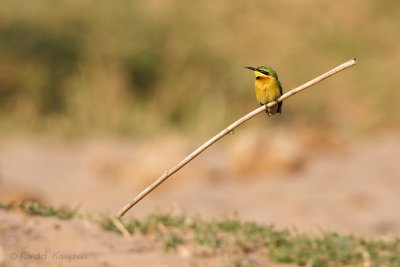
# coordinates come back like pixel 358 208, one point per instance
pixel 34 208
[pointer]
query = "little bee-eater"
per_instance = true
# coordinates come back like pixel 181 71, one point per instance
pixel 268 88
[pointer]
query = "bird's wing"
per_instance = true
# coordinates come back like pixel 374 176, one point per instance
pixel 280 103
pixel 280 87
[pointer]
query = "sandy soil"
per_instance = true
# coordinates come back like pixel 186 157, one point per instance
pixel 298 184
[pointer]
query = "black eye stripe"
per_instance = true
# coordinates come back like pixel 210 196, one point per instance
pixel 263 72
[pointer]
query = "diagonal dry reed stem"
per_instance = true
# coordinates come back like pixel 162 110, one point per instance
pixel 229 129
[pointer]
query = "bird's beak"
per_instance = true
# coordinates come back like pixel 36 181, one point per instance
pixel 251 68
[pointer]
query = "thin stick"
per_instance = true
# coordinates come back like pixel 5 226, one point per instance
pixel 229 129
pixel 121 227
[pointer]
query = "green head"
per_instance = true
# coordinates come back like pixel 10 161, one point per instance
pixel 268 71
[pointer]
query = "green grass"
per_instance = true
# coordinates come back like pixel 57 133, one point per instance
pixel 238 239
pixel 35 208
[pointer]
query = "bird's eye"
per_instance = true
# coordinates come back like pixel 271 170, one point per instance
pixel 258 77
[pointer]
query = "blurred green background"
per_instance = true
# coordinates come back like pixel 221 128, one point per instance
pixel 133 68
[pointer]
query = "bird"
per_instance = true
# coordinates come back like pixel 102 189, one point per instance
pixel 268 88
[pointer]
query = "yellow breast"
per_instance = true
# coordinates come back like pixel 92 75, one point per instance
pixel 267 89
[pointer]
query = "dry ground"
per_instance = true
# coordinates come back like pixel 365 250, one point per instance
pixel 349 188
